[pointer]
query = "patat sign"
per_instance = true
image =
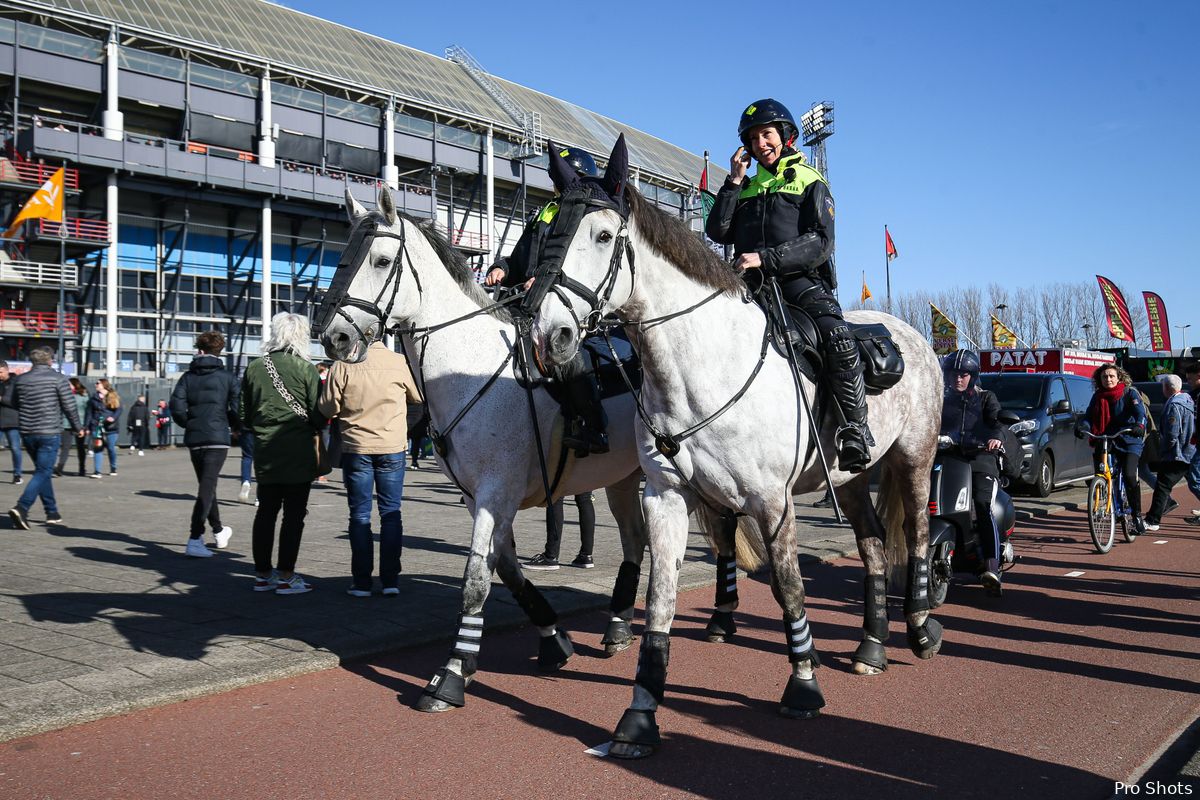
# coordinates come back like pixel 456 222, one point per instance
pixel 1045 359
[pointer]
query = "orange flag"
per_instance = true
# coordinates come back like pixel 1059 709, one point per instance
pixel 47 203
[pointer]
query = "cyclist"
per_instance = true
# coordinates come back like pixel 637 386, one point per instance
pixel 1116 406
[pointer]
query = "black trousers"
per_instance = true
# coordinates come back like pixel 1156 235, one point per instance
pixel 983 489
pixel 587 526
pixel 293 499
pixel 207 462
pixel 79 442
pixel 1170 473
pixel 1127 465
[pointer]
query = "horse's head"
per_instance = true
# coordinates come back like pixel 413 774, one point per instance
pixel 367 292
pixel 584 271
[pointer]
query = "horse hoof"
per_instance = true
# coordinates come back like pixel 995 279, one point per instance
pixel 431 705
pixel 926 640
pixel 618 637
pixel 870 654
pixel 554 651
pixel 446 690
pixel 636 735
pixel 799 713
pixel 720 627
pixel 629 750
pixel 859 668
pixel 716 639
pixel 802 699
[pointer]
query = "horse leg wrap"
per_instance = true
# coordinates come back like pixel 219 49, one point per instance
pixel 448 687
pixel 917 598
pixel 720 626
pixel 554 650
pixel 726 581
pixel 799 638
pixel 925 639
pixel 802 698
pixel 466 646
pixel 872 650
pixel 652 664
pixel 637 726
pixel 535 606
pixel 625 590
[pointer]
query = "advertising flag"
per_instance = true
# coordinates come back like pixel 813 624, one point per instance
pixel 866 293
pixel 1160 330
pixel 1120 326
pixel 47 203
pixel 944 333
pixel 1003 337
pixel 889 247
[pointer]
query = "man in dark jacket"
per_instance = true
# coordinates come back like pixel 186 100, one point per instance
pixel 204 404
pixel 10 425
pixel 42 398
pixel 139 426
pixel 780 223
pixel 971 418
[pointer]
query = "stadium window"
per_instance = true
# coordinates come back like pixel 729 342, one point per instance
pixel 459 136
pixel 414 125
pixel 295 96
pixel 345 109
pixel 8 31
pixel 223 79
pixel 67 44
pixel 151 63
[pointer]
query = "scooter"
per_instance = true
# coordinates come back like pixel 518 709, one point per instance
pixel 953 543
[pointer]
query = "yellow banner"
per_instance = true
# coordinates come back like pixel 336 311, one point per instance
pixel 1003 337
pixel 944 332
pixel 46 203
pixel 866 293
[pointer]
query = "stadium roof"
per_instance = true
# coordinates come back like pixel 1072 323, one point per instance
pixel 320 48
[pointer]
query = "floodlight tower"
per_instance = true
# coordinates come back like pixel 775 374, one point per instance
pixel 816 125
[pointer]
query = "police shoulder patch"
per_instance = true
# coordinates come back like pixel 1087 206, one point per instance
pixel 829 205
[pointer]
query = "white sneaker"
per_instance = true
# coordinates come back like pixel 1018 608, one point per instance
pixel 132 447
pixel 197 549
pixel 141 452
pixel 244 494
pixel 1196 512
pixel 222 537
pixel 293 585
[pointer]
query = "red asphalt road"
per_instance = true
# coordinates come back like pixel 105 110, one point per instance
pixel 1064 686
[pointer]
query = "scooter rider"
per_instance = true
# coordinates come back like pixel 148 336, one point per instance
pixel 970 417
pixel 587 423
pixel 780 221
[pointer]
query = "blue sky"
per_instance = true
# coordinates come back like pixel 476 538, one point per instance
pixel 1021 142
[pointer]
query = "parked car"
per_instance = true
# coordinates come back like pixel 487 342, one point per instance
pixel 1049 405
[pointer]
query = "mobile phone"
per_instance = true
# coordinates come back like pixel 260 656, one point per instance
pixel 745 155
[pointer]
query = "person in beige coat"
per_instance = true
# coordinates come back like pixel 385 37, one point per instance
pixel 368 401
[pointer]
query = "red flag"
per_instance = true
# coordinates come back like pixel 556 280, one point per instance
pixel 1120 326
pixel 1160 330
pixel 889 247
pixel 704 179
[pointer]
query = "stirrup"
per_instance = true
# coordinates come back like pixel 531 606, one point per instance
pixel 854 444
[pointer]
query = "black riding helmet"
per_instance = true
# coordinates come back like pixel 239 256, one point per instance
pixel 581 161
pixel 765 112
pixel 961 361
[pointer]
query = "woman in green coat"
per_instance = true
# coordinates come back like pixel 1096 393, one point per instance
pixel 279 404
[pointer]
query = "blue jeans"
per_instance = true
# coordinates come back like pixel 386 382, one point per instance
pixel 386 474
pixel 1193 475
pixel 13 437
pixel 246 437
pixel 44 450
pixel 110 444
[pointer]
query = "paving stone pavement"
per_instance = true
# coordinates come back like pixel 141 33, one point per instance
pixel 104 614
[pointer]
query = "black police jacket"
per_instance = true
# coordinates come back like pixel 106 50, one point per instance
pixel 971 419
pixel 791 232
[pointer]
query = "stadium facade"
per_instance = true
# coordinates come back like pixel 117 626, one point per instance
pixel 207 146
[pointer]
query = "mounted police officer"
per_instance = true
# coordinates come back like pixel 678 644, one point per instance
pixel 780 221
pixel 586 421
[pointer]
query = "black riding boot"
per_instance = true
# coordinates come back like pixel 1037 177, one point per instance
pixel 587 424
pixel 853 439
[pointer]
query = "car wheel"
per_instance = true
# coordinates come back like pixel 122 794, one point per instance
pixel 1044 483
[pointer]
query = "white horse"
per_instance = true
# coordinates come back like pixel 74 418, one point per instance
pixel 703 343
pixel 398 272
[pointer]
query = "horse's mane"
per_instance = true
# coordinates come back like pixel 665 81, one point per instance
pixel 668 237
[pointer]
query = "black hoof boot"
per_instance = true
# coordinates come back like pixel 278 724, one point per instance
pixel 872 654
pixel 721 626
pixel 554 651
pixel 802 699
pixel 618 637
pixel 636 735
pixel 926 640
pixel 445 692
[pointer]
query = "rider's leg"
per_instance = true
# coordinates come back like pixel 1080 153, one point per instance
pixel 983 491
pixel 587 423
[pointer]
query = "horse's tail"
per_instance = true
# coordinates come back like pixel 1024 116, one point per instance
pixel 889 505
pixel 748 544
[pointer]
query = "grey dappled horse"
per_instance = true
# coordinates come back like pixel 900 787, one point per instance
pixel 703 344
pixel 397 272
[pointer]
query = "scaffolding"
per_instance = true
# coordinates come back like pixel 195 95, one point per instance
pixel 530 121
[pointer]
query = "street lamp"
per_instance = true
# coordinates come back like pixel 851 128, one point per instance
pixel 1087 337
pixel 1183 334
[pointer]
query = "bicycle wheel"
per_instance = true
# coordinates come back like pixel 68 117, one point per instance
pixel 1127 530
pixel 1101 522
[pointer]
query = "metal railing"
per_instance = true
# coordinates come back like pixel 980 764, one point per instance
pixel 40 321
pixel 90 230
pixel 36 174
pixel 39 273
pixel 466 239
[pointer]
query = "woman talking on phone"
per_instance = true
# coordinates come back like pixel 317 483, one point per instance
pixel 780 222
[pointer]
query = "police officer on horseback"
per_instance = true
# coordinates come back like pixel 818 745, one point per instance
pixel 587 423
pixel 780 222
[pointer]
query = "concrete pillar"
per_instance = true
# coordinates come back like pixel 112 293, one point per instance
pixel 113 119
pixel 112 284
pixel 266 131
pixel 391 173
pixel 490 227
pixel 266 269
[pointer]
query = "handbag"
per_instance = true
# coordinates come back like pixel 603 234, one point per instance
pixel 324 466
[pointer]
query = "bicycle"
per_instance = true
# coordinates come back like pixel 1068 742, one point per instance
pixel 1106 503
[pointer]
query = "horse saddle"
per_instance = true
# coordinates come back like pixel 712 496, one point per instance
pixel 603 368
pixel 883 365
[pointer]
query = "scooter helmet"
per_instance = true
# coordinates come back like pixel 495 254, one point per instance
pixel 963 361
pixel 581 161
pixel 765 112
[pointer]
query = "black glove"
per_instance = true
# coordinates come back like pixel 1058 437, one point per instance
pixel 1079 434
pixel 1139 430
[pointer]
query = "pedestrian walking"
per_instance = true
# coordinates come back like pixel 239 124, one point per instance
pixel 138 425
pixel 204 404
pixel 246 443
pixel 69 440
pixel 10 424
pixel 41 396
pixel 1177 449
pixel 279 405
pixel 368 401
pixel 103 423
pixel 418 431
pixel 1192 373
pixel 162 423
